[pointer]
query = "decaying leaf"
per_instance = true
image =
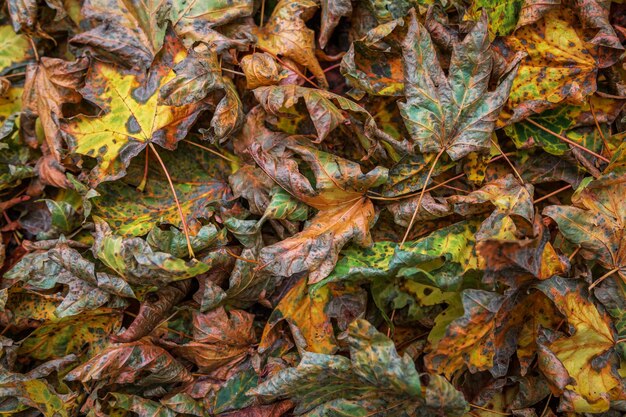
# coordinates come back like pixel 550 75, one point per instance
pixel 286 34
pixel 454 114
pixel 333 208
pixel 133 117
pixel 373 380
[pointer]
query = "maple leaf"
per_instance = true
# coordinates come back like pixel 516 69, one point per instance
pixel 140 363
pixel 56 339
pixel 261 69
pixel 558 67
pixel 285 33
pixel 133 117
pixel 583 364
pixel 307 314
pixel 325 383
pixel 130 33
pixel 135 261
pixel 339 193
pixel 198 180
pixel 326 116
pixel 454 114
pixel 14 48
pixel 49 84
pixel 596 222
pixel 370 67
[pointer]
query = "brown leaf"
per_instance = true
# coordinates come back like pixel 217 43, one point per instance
pixel 153 311
pixel 49 84
pixel 221 341
pixel 286 34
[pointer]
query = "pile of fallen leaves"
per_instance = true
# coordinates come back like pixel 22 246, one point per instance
pixel 269 208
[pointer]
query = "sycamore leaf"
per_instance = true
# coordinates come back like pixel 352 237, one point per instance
pixel 454 114
pixel 560 120
pixel 317 247
pixel 140 406
pixel 199 179
pixel 439 259
pixel 332 11
pixel 508 258
pixel 50 83
pixel 220 340
pixel 307 314
pixel 558 67
pixel 286 34
pixel 326 116
pixel 14 48
pixel 469 339
pixel 261 69
pixel 173 240
pixel 130 33
pixel 372 68
pixel 132 116
pixel 140 363
pixel 596 222
pixel 345 213
pixel 38 394
pixel 595 15
pixel 135 261
pixel 338 181
pixel 59 338
pixel 375 380
pixel 153 311
pixel 503 14
pixel 194 20
pixel 586 359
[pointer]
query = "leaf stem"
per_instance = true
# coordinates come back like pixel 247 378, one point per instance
pixel 142 185
pixel 493 142
pixel 552 193
pixel 233 71
pixel 284 64
pixel 419 200
pixel 15 75
pixel 569 141
pixel 602 278
pixel 180 209
pixel 595 119
pixel 478 407
pixel 210 150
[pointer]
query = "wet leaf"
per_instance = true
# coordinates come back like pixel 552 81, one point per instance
pixel 587 358
pixel 454 114
pixel 286 34
pixel 323 384
pixel 132 116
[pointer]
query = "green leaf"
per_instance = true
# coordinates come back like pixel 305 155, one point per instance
pixel 58 338
pixel 199 179
pixel 374 380
pixel 135 261
pixel 454 114
pixel 173 241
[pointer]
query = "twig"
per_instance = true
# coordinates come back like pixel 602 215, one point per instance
pixel 595 119
pixel 284 64
pixel 233 71
pixel 478 407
